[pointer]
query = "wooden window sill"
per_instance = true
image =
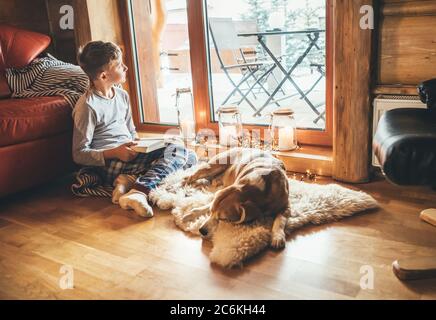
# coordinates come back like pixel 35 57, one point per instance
pixel 318 160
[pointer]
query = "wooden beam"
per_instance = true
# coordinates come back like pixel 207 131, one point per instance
pixel 82 28
pixel 411 8
pixel 352 77
pixel 131 85
pixel 146 67
pixel 396 90
pixel 198 55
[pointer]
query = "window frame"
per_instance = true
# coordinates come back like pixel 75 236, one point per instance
pixel 201 78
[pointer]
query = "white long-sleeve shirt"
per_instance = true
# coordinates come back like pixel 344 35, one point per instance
pixel 101 123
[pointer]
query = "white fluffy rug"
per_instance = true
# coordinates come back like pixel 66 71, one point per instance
pixel 232 244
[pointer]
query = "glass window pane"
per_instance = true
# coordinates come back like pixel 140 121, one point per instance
pixel 267 54
pixel 163 59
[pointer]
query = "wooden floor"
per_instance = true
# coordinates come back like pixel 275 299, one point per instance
pixel 115 255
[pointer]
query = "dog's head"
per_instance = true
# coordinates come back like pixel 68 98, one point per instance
pixel 254 196
pixel 226 206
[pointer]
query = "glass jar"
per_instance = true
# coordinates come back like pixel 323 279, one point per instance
pixel 230 126
pixel 185 113
pixel 283 130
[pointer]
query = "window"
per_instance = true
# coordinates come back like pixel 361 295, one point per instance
pixel 259 55
pixel 162 61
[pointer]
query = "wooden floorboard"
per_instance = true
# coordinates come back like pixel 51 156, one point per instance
pixel 116 255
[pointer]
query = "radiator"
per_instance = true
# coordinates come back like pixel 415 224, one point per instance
pixel 384 103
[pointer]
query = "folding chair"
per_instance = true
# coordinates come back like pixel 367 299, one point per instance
pixel 252 51
pixel 320 67
pixel 321 70
pixel 254 72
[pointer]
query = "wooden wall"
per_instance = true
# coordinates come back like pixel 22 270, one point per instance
pixel 41 16
pixel 44 15
pixel 407 44
pixel 25 14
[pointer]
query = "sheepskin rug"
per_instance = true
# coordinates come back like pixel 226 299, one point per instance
pixel 233 244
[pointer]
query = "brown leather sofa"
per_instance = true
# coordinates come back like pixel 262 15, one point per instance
pixel 35 133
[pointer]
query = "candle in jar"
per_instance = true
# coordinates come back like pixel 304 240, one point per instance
pixel 286 138
pixel 228 135
pixel 187 128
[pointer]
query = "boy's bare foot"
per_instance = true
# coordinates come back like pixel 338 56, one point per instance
pixel 122 184
pixel 137 201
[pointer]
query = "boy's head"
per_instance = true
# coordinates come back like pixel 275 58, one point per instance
pixel 102 62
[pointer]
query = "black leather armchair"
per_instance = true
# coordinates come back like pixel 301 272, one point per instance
pixel 405 141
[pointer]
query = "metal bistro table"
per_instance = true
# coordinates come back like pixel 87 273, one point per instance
pixel 313 36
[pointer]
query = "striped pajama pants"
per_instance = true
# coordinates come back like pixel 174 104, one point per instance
pixel 150 168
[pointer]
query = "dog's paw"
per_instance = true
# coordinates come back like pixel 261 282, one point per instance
pixel 194 214
pixel 187 218
pixel 190 216
pixel 278 240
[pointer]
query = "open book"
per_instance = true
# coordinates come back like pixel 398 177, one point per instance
pixel 146 145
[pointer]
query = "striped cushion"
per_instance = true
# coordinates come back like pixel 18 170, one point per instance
pixel 48 77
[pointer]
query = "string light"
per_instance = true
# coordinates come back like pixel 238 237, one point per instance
pixel 252 140
pixel 310 176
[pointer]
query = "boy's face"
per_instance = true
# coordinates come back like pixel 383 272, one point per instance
pixel 115 72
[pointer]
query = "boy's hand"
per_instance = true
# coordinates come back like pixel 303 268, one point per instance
pixel 122 152
pixel 125 153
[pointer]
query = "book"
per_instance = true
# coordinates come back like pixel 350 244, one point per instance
pixel 146 145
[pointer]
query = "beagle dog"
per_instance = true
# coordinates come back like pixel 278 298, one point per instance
pixel 255 186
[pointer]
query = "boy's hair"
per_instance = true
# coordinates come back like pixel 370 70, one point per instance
pixel 95 55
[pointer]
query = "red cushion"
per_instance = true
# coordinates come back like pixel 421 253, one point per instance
pixel 19 47
pixel 29 119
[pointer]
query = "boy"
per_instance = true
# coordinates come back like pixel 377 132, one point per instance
pixel 104 132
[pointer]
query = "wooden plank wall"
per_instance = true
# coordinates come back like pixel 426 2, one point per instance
pixel 407 45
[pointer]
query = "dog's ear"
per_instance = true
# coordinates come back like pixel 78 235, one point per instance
pixel 221 195
pixel 251 211
pixel 235 214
